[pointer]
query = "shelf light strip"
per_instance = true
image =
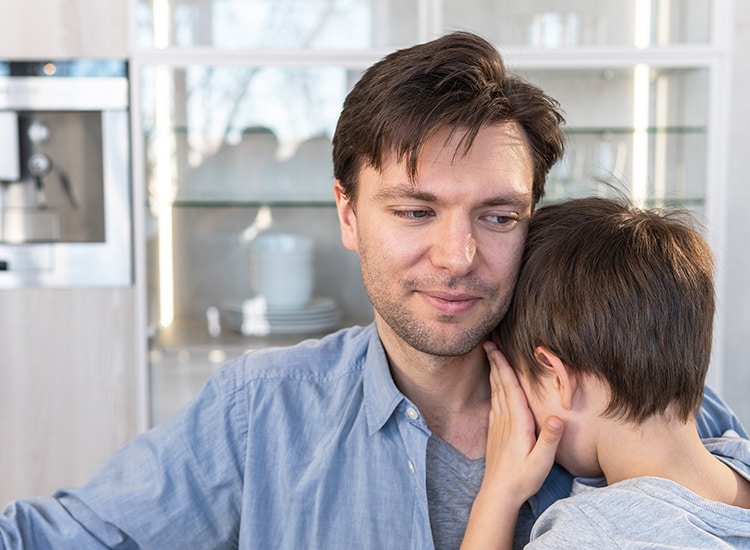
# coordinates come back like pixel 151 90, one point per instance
pixel 639 191
pixel 641 74
pixel 642 24
pixel 164 182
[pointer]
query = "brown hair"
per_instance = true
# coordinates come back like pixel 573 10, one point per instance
pixel 621 293
pixel 458 81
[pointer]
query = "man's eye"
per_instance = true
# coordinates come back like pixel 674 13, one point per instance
pixel 411 214
pixel 501 220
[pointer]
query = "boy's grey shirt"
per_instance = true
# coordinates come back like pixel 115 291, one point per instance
pixel 648 512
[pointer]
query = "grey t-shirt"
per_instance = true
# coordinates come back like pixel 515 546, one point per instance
pixel 648 512
pixel 453 482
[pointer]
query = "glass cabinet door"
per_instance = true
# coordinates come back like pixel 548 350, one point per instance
pixel 347 25
pixel 583 23
pixel 237 101
pixel 359 25
pixel 242 134
pixel 232 152
pixel 641 130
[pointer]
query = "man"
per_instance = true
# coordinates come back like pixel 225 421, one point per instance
pixel 372 437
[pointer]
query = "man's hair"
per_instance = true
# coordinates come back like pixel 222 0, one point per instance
pixel 621 293
pixel 458 81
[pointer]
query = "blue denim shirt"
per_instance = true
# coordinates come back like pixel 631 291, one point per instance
pixel 311 446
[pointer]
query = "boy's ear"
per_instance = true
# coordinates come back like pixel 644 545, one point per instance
pixel 558 378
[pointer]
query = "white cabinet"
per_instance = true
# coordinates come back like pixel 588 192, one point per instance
pixel 68 397
pixel 238 101
pixel 70 392
pixel 62 29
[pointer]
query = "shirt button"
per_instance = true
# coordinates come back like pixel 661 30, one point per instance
pixel 412 468
pixel 412 413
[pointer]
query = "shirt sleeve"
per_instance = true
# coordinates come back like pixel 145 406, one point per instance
pixel 716 417
pixel 176 486
pixel 46 523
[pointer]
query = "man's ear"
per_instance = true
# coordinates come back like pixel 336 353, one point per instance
pixel 558 377
pixel 347 218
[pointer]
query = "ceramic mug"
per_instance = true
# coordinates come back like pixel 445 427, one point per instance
pixel 282 269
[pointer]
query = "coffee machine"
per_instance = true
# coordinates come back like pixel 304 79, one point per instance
pixel 65 209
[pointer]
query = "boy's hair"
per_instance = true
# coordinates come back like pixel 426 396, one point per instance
pixel 457 81
pixel 621 293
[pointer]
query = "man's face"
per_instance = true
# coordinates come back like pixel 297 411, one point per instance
pixel 440 256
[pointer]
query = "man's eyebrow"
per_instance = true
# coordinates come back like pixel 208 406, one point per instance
pixel 404 191
pixel 509 198
pixel 411 191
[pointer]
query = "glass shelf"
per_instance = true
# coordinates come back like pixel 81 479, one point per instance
pixel 250 203
pixel 568 129
pixel 622 130
pixel 310 185
pixel 191 336
pixel 693 204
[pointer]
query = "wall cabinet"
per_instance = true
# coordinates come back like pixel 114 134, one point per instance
pixel 237 102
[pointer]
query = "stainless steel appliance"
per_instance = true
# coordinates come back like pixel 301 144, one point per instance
pixel 65 209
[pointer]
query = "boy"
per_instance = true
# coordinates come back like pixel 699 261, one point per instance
pixel 609 333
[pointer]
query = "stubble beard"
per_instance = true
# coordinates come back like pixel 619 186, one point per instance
pixel 423 339
pixel 427 336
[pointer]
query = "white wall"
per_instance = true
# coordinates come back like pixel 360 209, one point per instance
pixel 735 306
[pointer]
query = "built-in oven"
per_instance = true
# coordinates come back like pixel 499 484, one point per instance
pixel 65 201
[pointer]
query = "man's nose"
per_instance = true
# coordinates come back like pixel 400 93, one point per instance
pixel 454 247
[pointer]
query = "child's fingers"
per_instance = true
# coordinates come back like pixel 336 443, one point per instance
pixel 506 389
pixel 550 434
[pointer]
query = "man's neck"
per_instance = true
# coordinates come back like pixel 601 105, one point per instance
pixel 453 394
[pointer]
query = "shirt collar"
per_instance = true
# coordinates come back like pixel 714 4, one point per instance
pixel 381 398
pixel 380 392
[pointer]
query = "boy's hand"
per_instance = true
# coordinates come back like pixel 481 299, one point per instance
pixel 517 460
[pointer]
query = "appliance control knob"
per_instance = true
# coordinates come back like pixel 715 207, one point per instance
pixel 39 165
pixel 38 132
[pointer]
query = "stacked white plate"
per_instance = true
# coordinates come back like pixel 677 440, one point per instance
pixel 254 318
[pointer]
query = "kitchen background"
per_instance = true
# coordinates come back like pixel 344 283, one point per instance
pixel 231 106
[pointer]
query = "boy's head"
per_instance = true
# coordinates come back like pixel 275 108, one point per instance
pixel 619 293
